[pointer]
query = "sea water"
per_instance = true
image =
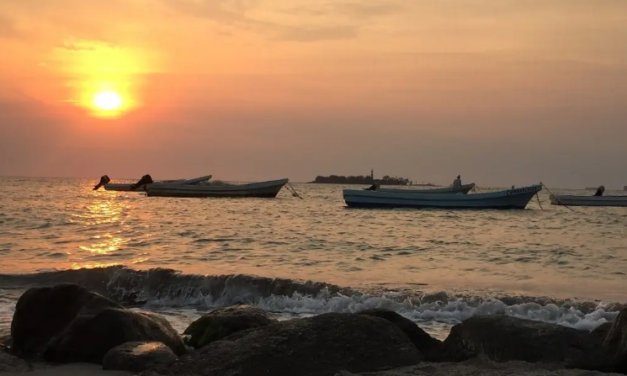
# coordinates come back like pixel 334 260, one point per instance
pixel 295 258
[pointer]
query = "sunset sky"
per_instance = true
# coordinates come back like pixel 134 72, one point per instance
pixel 500 91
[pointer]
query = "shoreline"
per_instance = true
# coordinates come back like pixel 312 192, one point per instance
pixel 244 339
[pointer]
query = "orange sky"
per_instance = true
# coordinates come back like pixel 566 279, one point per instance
pixel 501 91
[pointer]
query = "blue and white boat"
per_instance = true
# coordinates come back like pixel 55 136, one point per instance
pixel 517 198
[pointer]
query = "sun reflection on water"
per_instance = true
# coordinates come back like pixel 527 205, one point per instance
pixel 108 244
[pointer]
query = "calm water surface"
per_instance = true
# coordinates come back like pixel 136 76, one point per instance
pixel 434 266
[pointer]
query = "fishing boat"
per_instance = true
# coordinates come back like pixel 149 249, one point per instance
pixel 516 198
pixel 464 189
pixel 569 200
pixel 126 187
pixel 267 189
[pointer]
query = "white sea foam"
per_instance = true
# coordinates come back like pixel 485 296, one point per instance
pixel 444 312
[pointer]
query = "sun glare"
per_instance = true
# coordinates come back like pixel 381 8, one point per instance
pixel 108 101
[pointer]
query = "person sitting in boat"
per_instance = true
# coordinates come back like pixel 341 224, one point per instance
pixel 372 188
pixel 600 191
pixel 457 183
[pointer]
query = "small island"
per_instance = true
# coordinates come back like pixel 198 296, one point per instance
pixel 365 180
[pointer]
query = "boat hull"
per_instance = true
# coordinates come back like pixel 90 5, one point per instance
pixel 268 189
pixel 606 201
pixel 464 189
pixel 127 187
pixel 508 199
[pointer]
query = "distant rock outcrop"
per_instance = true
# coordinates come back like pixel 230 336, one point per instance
pixel 365 180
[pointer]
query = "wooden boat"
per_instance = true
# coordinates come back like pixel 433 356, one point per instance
pixel 517 198
pixel 616 201
pixel 268 189
pixel 126 187
pixel 464 189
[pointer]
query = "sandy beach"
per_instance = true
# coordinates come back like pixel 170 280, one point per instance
pixel 76 369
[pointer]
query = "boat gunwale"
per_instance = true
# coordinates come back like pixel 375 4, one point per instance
pixel 441 196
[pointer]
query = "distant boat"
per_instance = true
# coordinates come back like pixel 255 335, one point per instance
pixel 463 189
pixel 517 198
pixel 126 187
pixel 268 189
pixel 567 200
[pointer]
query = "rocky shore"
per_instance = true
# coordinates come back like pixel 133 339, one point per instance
pixel 66 324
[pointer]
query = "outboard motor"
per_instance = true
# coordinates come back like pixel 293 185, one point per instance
pixel 146 179
pixel 104 180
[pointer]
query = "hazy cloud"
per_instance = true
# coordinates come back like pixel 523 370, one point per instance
pixel 8 28
pixel 315 34
pixel 358 10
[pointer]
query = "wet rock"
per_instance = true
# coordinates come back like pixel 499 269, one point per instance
pixel 44 313
pixel 5 338
pixel 314 346
pixel 138 356
pixel 223 322
pixel 504 338
pixel 10 363
pixel 421 339
pixel 615 343
pixel 601 331
pixel 90 337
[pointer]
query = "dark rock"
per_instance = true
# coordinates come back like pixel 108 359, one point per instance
pixel 43 313
pixel 421 339
pixel 504 338
pixel 90 337
pixel 223 322
pixel 10 363
pixel 315 346
pixel 600 332
pixel 5 338
pixel 138 356
pixel 615 343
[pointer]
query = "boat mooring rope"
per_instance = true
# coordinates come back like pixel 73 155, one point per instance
pixel 291 189
pixel 556 199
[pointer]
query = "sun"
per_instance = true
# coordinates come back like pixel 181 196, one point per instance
pixel 108 101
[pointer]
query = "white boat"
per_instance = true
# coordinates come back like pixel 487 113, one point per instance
pixel 463 189
pixel 566 200
pixel 517 198
pixel 126 187
pixel 268 189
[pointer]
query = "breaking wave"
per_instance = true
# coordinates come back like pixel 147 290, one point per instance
pixel 167 288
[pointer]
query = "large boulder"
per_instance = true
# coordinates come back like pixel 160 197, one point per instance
pixel 315 346
pixel 90 337
pixel 612 355
pixel 43 313
pixel 421 339
pixel 10 363
pixel 138 356
pixel 615 343
pixel 223 322
pixel 505 338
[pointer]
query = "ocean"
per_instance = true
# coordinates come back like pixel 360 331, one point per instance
pixel 295 258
